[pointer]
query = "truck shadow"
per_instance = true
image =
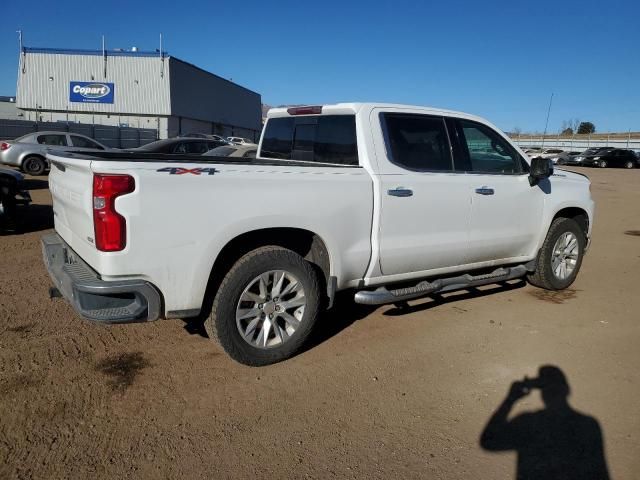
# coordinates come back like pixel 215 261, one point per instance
pixel 346 312
pixel 30 218
pixel 35 218
pixel 35 183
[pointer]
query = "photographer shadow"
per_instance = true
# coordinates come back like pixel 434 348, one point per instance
pixel 554 443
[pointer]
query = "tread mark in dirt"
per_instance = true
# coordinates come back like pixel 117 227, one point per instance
pixel 554 296
pixel 633 233
pixel 17 383
pixel 124 369
pixel 26 328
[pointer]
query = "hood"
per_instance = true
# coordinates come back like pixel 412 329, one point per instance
pixel 578 177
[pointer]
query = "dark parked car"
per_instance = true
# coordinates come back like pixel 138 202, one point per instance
pixel 589 152
pixel 12 193
pixel 568 158
pixel 617 157
pixel 180 146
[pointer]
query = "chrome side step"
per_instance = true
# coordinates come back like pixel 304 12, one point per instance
pixel 382 295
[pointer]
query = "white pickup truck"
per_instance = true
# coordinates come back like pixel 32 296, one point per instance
pixel 391 201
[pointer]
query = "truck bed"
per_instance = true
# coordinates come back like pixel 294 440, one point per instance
pixel 135 156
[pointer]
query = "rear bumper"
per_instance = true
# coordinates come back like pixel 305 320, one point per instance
pixel 123 301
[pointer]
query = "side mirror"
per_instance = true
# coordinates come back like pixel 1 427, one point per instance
pixel 540 168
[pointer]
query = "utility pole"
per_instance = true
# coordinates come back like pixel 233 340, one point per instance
pixel 546 124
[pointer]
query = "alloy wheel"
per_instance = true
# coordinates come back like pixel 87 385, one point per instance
pixel 270 309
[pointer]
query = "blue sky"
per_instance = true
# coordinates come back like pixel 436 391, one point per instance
pixel 500 60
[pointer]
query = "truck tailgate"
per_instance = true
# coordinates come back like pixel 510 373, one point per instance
pixel 71 185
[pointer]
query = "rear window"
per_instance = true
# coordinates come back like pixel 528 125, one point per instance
pixel 326 139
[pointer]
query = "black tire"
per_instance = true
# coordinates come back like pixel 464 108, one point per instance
pixel 34 165
pixel 543 275
pixel 221 323
pixel 603 164
pixel 630 164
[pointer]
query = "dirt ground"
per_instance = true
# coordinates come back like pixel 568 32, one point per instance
pixel 382 393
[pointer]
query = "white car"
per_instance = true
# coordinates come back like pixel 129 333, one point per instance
pixel 550 153
pixel 240 141
pixel 391 201
pixel 243 151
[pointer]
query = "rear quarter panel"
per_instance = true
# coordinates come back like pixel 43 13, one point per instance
pixel 178 223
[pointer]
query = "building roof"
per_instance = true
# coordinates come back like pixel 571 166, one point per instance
pixel 109 53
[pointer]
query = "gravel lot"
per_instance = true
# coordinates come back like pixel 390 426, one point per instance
pixel 382 394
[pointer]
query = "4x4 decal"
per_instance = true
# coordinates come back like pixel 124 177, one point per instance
pixel 193 171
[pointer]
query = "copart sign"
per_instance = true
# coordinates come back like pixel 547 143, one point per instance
pixel 91 92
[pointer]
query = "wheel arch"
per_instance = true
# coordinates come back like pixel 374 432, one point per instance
pixel 305 243
pixel 579 215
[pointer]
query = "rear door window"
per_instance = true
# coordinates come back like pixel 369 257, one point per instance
pixel 417 142
pixel 53 139
pixel 320 138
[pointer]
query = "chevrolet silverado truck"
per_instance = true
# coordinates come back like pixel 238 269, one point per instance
pixel 391 202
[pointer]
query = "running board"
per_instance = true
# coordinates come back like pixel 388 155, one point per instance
pixel 382 295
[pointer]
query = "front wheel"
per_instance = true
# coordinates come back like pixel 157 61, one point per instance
pixel 266 306
pixel 629 164
pixel 602 164
pixel 560 257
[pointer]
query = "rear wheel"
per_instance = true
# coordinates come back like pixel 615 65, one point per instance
pixel 560 257
pixel 34 165
pixel 266 306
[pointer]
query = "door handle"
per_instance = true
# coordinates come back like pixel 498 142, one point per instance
pixel 400 192
pixel 484 190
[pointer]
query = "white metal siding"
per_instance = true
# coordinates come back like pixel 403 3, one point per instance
pixel 139 87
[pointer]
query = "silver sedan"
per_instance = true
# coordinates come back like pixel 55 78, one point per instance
pixel 29 151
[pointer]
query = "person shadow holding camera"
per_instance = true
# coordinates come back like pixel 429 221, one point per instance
pixel 554 443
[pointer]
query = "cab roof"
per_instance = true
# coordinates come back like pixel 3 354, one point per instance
pixel 357 107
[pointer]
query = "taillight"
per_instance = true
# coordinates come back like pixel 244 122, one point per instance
pixel 109 226
pixel 4 146
pixel 307 110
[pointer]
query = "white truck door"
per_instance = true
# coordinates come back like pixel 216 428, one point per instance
pixel 425 204
pixel 505 209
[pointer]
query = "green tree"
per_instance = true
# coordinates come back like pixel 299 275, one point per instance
pixel 586 127
pixel 567 131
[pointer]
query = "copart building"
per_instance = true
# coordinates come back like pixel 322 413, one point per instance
pixel 132 88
